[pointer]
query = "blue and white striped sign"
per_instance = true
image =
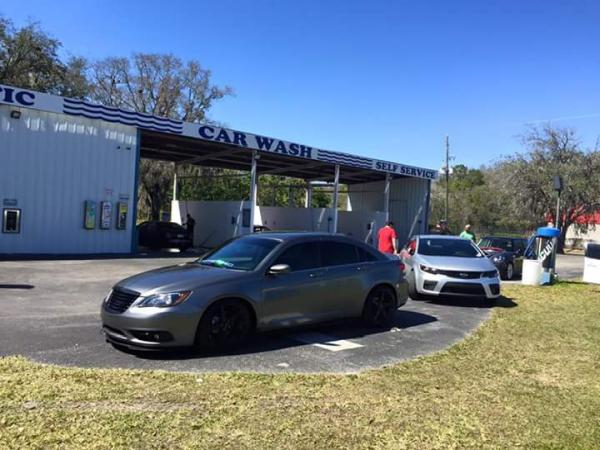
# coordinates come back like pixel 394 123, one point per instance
pixel 52 103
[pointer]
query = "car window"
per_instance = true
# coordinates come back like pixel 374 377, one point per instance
pixel 301 256
pixel 519 245
pixel 503 243
pixel 365 255
pixel 242 254
pixel 461 248
pixel 338 253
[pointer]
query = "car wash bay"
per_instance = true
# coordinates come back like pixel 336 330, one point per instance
pixel 372 196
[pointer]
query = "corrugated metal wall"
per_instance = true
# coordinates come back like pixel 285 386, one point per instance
pixel 51 164
pixel 408 203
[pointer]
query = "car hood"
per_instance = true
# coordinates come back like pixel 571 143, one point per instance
pixel 185 276
pixel 456 263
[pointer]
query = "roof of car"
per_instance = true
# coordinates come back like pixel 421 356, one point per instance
pixel 286 235
pixel 439 236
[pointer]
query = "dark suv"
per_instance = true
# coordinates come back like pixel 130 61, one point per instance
pixel 506 253
pixel 156 235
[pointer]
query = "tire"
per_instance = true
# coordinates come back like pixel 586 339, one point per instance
pixel 509 272
pixel 225 325
pixel 412 289
pixel 380 306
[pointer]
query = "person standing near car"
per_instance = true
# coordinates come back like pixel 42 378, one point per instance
pixel 189 226
pixel 386 238
pixel 467 233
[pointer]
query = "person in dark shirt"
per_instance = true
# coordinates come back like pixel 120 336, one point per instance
pixel 189 226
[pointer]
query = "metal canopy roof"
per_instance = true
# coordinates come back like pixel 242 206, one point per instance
pixel 186 150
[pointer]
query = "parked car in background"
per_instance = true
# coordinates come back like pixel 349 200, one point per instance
pixel 156 235
pixel 439 265
pixel 507 254
pixel 254 282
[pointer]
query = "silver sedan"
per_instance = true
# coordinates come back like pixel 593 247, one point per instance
pixel 255 282
pixel 439 265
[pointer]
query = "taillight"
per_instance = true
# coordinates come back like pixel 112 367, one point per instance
pixel 401 266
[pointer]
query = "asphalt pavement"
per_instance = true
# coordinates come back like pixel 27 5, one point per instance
pixel 49 312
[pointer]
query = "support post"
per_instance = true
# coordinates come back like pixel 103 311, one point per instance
pixel 386 196
pixel 175 182
pixel 253 188
pixel 336 185
pixel 308 199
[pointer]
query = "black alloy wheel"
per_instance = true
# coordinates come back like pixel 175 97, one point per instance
pixel 380 307
pixel 224 325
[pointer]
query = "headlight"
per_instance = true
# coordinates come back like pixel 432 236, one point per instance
pixel 164 300
pixel 428 269
pixel 107 296
pixel 498 258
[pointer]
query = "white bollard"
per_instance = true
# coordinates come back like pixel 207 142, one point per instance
pixel 532 272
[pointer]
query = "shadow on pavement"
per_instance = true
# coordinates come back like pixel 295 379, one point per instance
pixel 142 254
pixel 466 302
pixel 16 286
pixel 282 339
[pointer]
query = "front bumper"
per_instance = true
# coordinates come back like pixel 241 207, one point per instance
pixel 150 328
pixel 442 285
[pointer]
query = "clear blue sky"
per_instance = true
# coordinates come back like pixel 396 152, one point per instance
pixel 383 79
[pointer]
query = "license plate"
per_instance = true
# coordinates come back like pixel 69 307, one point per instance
pixel 180 235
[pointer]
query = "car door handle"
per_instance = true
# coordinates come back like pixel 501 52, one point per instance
pixel 316 274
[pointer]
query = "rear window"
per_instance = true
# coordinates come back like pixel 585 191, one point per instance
pixel 503 243
pixel 365 255
pixel 338 253
pixel 300 256
pixel 460 248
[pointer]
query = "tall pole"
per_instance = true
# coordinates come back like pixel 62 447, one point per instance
pixel 557 220
pixel 447 170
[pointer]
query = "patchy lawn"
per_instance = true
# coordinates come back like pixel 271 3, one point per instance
pixel 530 377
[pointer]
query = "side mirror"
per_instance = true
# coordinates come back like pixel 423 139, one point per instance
pixel 279 269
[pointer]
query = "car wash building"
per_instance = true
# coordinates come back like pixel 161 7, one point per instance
pixel 69 179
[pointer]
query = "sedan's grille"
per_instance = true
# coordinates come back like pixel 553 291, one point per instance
pixel 465 275
pixel 120 300
pixel 463 288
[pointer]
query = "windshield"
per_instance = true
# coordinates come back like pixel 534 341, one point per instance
pixel 462 248
pixel 502 243
pixel 240 254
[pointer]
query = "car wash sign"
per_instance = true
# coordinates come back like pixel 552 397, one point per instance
pixel 76 107
pixel 272 145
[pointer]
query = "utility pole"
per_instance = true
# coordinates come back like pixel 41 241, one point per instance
pixel 447 170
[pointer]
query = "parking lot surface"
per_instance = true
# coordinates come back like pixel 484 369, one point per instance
pixel 49 312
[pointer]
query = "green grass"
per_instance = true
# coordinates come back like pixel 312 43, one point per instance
pixel 530 377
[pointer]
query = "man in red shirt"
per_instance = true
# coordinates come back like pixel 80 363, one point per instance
pixel 387 239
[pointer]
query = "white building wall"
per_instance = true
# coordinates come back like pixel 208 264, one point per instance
pixel 217 221
pixel 51 164
pixel 408 203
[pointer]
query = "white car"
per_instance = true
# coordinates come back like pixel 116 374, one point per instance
pixel 438 265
